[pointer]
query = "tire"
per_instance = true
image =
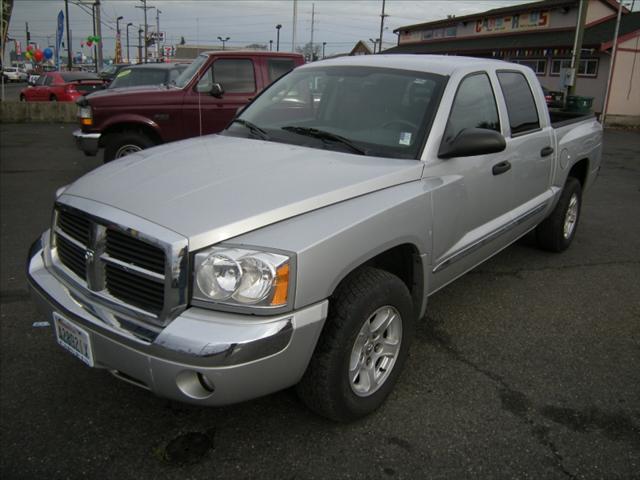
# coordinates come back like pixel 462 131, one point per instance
pixel 120 144
pixel 365 298
pixel 557 231
pixel 53 98
pixel 23 98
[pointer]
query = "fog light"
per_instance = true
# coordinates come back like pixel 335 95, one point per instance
pixel 206 383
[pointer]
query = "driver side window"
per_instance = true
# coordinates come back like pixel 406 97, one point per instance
pixel 473 107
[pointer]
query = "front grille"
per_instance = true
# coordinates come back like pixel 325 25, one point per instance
pixel 75 226
pixel 135 289
pixel 126 268
pixel 71 256
pixel 132 250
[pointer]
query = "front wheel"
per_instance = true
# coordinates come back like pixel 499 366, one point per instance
pixel 53 98
pixel 557 231
pixel 363 346
pixel 121 144
pixel 23 98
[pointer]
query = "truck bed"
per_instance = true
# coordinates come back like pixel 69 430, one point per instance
pixel 560 118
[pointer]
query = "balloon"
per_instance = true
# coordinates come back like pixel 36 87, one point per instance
pixel 81 44
pixel 96 39
pixel 48 53
pixel 28 54
pixel 30 48
pixel 89 44
pixel 39 55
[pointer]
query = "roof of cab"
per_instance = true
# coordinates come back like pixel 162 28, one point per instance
pixel 257 53
pixel 439 64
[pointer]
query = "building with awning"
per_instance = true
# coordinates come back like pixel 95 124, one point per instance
pixel 541 35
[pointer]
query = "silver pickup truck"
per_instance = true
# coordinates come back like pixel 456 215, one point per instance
pixel 300 245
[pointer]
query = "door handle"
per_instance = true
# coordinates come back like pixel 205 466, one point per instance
pixel 501 167
pixel 546 151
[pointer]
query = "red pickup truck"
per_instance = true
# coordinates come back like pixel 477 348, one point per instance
pixel 202 100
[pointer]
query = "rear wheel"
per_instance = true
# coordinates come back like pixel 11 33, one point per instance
pixel 23 98
pixel 121 144
pixel 53 98
pixel 363 346
pixel 557 231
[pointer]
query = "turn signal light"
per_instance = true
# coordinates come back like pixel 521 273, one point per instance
pixel 282 286
pixel 87 122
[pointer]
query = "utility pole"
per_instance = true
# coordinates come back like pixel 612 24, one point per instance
pixel 158 12
pixel 66 18
pixel 128 54
pixel 382 15
pixel 612 64
pixel 95 46
pixel 146 27
pixel 324 44
pixel 295 21
pixel 140 32
pixel 28 35
pixel 313 15
pixel 278 27
pixel 99 35
pixel 577 46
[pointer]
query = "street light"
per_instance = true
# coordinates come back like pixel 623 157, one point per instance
pixel 323 45
pixel 128 55
pixel 375 42
pixel 270 45
pixel 140 32
pixel 278 27
pixel 119 42
pixel 223 40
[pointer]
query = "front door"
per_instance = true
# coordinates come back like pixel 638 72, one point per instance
pixel 472 195
pixel 205 113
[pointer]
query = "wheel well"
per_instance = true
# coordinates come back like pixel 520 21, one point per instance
pixel 402 261
pixel 138 127
pixel 580 171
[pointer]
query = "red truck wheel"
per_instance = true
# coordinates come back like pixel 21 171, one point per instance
pixel 121 144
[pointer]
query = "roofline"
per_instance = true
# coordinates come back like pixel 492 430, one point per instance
pixel 496 11
pixel 621 38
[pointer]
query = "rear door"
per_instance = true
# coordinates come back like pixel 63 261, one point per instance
pixel 529 150
pixel 205 113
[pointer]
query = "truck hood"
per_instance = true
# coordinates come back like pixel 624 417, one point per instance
pixel 143 95
pixel 216 187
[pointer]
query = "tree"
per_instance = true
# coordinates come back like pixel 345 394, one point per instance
pixel 256 46
pixel 310 54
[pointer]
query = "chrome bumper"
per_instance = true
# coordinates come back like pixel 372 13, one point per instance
pixel 202 356
pixel 89 143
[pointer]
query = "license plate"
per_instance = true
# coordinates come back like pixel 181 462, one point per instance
pixel 73 339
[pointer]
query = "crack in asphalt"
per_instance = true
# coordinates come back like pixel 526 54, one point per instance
pixel 518 273
pixel 616 427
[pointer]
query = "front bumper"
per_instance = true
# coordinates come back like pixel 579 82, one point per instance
pixel 89 143
pixel 202 356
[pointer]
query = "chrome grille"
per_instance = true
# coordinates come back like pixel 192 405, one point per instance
pixel 72 256
pixel 129 271
pixel 135 289
pixel 134 251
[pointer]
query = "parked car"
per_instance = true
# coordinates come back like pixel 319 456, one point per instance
pixel 110 72
pixel 61 87
pixel 33 79
pixel 147 74
pixel 300 245
pixel 202 100
pixel 14 74
pixel 554 99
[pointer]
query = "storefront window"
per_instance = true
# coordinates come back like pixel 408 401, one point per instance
pixel 539 66
pixel 588 67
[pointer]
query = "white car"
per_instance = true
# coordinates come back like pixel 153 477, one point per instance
pixel 14 74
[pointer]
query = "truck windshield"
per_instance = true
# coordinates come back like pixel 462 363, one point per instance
pixel 190 71
pixel 368 110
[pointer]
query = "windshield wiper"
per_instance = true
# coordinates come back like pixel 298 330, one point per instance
pixel 253 128
pixel 324 135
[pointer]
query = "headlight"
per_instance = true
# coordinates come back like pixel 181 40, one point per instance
pixel 85 115
pixel 241 277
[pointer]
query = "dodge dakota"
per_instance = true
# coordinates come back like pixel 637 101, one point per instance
pixel 300 245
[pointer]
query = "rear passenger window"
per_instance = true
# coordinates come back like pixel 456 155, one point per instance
pixel 277 67
pixel 521 107
pixel 473 107
pixel 235 75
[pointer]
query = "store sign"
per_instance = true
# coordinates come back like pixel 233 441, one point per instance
pixel 513 23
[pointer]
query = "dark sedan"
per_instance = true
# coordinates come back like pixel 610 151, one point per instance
pixel 147 74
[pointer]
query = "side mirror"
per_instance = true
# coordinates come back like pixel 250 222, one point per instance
pixel 473 141
pixel 216 90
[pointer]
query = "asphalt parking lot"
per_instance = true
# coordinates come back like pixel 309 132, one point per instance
pixel 527 367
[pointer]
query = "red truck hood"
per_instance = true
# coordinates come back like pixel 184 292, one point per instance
pixel 145 95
